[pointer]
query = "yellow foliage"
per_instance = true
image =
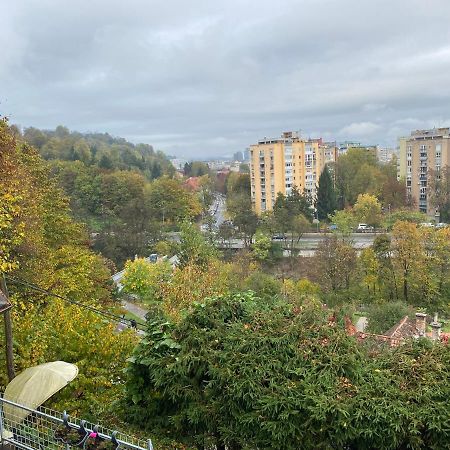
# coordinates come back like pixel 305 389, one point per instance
pixel 192 284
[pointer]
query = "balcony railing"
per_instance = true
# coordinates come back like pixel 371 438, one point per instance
pixel 42 428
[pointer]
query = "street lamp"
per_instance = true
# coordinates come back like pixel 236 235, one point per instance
pixel 437 216
pixel 316 217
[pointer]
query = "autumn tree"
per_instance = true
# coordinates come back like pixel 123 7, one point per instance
pixel 408 255
pixel 143 278
pixel 170 202
pixel 40 243
pixel 370 268
pixel 439 191
pixel 335 261
pixel 367 209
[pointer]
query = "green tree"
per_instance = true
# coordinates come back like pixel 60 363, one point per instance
pixel 357 172
pixel 82 151
pixel 292 214
pixel 262 246
pixel 239 207
pixel 387 278
pixel 345 222
pixel 241 373
pixel 193 249
pixel 326 196
pixel 404 215
pixel 383 316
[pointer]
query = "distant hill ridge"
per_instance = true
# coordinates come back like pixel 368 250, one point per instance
pixel 97 149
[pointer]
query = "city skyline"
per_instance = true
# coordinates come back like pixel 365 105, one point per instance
pixel 212 79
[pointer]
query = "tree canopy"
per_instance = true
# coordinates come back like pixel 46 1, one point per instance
pixel 239 373
pixel 40 243
pixel 326 202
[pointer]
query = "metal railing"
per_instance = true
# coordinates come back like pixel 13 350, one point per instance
pixel 42 428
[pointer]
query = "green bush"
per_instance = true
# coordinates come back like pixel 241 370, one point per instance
pixel 384 316
pixel 241 373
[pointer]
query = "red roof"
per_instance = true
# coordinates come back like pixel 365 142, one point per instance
pixel 192 183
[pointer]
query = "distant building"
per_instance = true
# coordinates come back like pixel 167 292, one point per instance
pixel 238 156
pixel 385 154
pixel 407 328
pixel 178 163
pixel 216 165
pixel 345 146
pixel 279 164
pixel 421 156
pixel 330 152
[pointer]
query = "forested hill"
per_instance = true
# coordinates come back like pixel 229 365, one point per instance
pixel 98 149
pixel 125 194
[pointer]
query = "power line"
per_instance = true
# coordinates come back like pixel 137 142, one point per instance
pixel 113 317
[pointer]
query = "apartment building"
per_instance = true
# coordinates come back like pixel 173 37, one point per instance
pixel 279 164
pixel 385 155
pixel 421 156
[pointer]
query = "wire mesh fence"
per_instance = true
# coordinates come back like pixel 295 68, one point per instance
pixel 42 428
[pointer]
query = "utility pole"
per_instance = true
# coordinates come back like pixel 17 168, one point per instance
pixel 8 332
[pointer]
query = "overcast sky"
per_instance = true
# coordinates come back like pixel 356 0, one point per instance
pixel 205 78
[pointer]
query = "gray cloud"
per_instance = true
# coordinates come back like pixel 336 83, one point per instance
pixel 204 78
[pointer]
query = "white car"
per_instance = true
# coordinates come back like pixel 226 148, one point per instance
pixel 364 228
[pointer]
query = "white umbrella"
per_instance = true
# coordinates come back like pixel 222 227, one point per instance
pixel 34 386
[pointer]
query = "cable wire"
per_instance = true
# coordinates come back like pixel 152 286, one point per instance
pixel 112 317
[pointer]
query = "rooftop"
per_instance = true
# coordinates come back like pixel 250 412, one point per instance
pixel 434 133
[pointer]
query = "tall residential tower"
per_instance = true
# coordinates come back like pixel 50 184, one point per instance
pixel 423 155
pixel 279 164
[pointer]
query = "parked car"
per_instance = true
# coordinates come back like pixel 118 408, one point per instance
pixel 441 225
pixel 333 227
pixel 427 224
pixel 277 237
pixel 364 228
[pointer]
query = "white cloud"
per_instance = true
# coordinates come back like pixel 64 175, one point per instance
pixel 359 130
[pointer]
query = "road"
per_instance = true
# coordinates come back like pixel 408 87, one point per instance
pixel 218 209
pixel 310 241
pixel 135 309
